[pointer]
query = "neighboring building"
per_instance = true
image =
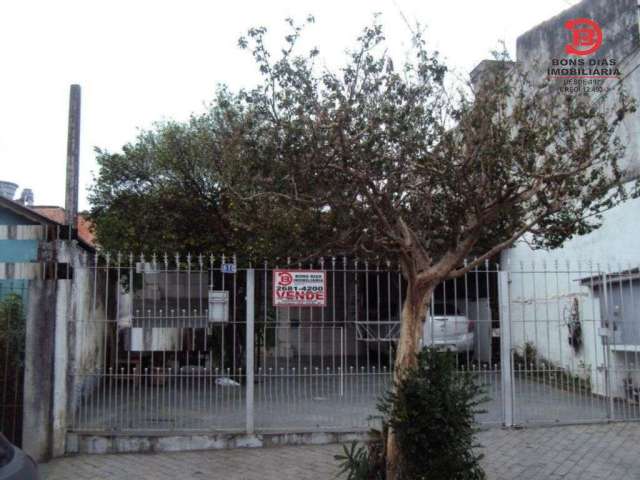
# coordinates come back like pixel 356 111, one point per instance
pixel 41 267
pixel 22 225
pixel 593 277
pixel 57 215
pixel 23 233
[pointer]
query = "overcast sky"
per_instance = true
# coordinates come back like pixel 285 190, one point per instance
pixel 143 61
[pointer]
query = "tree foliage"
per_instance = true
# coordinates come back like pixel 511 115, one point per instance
pixel 166 192
pixel 161 192
pixel 394 160
pixel 372 158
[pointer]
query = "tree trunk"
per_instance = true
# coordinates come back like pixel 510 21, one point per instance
pixel 413 315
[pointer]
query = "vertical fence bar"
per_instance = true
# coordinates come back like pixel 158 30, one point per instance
pixel 505 348
pixel 249 339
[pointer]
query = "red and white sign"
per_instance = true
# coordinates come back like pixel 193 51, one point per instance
pixel 586 36
pixel 299 288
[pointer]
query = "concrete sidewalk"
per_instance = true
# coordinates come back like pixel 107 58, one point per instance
pixel 591 452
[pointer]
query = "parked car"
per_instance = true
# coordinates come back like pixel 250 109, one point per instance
pixel 15 464
pixel 448 328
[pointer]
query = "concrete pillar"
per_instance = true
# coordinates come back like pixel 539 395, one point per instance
pixel 37 431
pixel 61 377
pixel 73 157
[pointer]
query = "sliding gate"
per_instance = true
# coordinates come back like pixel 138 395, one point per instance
pixel 198 344
pixel 572 332
pixel 206 344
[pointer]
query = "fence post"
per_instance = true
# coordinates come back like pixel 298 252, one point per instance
pixel 606 342
pixel 39 351
pixel 249 347
pixel 506 370
pixel 342 355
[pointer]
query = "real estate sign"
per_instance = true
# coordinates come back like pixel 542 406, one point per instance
pixel 299 288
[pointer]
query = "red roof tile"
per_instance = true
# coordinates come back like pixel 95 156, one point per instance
pixel 57 215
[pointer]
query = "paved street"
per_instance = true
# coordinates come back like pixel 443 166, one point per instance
pixel 591 452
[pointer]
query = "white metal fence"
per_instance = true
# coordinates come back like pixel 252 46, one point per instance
pixel 158 350
pixel 575 341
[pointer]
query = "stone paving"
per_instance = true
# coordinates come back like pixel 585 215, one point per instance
pixel 585 452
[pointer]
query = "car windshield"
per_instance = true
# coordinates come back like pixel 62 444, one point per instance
pixel 440 308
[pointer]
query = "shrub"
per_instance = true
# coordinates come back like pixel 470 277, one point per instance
pixel 12 328
pixel 12 337
pixel 432 412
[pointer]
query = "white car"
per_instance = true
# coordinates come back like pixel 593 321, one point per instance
pixel 447 328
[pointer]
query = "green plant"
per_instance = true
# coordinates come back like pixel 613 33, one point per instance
pixel 432 410
pixel 12 349
pixel 12 327
pixel 362 462
pixel 530 364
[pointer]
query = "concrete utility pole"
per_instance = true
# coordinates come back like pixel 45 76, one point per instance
pixel 73 158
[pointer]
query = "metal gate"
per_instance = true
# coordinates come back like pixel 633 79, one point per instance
pixel 572 333
pixel 195 343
